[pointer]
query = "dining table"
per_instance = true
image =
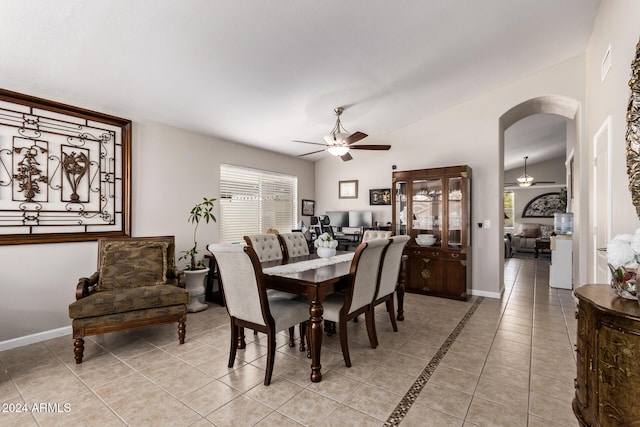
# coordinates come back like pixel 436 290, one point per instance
pixel 314 278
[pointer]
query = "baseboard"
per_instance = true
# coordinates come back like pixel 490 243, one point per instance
pixel 34 338
pixel 496 295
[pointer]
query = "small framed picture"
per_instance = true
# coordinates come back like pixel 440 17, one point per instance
pixel 308 207
pixel 381 196
pixel 348 189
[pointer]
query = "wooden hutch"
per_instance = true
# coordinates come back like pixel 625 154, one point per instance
pixel 435 201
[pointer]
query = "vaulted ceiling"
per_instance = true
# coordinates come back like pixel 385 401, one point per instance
pixel 264 73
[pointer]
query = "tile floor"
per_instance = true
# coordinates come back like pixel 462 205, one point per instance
pixel 511 365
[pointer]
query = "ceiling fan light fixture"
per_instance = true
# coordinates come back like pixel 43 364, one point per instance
pixel 525 180
pixel 338 150
pixel 335 138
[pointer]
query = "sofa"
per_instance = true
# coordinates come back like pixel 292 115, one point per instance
pixel 525 239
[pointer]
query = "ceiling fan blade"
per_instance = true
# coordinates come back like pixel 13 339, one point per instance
pixel 313 152
pixel 346 157
pixel 370 147
pixel 313 143
pixel 355 137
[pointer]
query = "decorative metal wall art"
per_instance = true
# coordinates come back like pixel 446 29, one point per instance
pixel 633 132
pixel 543 206
pixel 64 172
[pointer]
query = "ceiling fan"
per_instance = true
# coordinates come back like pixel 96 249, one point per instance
pixel 339 142
pixel 525 180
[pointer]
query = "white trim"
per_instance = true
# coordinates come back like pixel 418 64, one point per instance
pixel 606 64
pixel 34 338
pixel 606 126
pixel 495 295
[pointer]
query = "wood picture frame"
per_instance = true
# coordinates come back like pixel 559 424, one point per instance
pixel 65 172
pixel 380 196
pixel 348 189
pixel 308 207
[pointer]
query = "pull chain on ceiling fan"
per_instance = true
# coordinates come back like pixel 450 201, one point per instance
pixel 339 142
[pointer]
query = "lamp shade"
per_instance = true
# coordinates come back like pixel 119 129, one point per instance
pixel 338 150
pixel 335 138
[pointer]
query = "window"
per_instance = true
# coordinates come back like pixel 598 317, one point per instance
pixel 252 201
pixel 509 210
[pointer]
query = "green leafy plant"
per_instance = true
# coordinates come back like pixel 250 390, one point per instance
pixel 563 199
pixel 201 211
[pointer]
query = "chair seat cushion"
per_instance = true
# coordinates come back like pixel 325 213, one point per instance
pixel 125 300
pixel 138 316
pixel 287 313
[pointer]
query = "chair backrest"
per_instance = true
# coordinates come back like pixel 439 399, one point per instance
pixel 375 234
pixel 391 265
pixel 241 275
pixel 130 262
pixel 266 246
pixel 294 244
pixel 365 269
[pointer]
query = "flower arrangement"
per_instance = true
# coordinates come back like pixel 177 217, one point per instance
pixel 325 241
pixel 623 254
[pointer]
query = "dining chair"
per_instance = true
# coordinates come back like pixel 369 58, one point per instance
pixel 359 295
pixel 249 305
pixel 268 248
pixel 294 244
pixel 375 234
pixel 389 273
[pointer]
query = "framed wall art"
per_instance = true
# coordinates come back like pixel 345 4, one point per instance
pixel 64 172
pixel 348 189
pixel 543 206
pixel 308 207
pixel 380 196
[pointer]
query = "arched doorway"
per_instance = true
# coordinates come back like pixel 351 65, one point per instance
pixel 568 108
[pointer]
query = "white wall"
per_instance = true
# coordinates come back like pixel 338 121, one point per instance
pixel 467 133
pixel 172 170
pixel 617 25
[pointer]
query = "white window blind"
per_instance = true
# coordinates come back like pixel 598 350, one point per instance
pixel 253 201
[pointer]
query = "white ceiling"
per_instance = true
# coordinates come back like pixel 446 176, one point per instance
pixel 264 73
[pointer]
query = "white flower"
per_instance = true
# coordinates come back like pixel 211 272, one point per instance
pixel 624 250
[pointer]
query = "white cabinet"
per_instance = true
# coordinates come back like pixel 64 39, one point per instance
pixel 561 269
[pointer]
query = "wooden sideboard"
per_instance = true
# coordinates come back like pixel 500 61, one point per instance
pixel 608 358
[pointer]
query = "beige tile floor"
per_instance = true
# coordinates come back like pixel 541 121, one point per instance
pixel 511 365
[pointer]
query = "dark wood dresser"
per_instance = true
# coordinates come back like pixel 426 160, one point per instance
pixel 608 358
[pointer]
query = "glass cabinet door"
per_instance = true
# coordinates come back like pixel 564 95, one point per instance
pixel 400 208
pixel 427 208
pixel 456 218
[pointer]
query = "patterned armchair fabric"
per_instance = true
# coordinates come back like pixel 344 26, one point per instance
pixel 136 285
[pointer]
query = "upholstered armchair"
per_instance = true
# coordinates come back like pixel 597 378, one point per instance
pixel 375 234
pixel 136 285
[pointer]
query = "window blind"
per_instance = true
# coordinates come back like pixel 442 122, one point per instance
pixel 253 201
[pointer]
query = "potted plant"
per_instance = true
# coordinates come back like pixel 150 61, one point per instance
pixel 196 271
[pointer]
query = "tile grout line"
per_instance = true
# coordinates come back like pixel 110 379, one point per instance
pixel 410 397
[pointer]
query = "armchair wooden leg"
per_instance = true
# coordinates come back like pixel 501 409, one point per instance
pixel 78 349
pixel 182 331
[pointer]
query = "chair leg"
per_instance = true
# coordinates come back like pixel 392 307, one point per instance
pixel 182 331
pixel 391 309
pixel 371 327
pixel 303 335
pixel 78 349
pixel 234 344
pixel 343 343
pixel 271 354
pixel 292 337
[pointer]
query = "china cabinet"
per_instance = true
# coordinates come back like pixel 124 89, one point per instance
pixel 607 353
pixel 435 202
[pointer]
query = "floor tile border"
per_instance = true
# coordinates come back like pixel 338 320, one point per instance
pixel 410 397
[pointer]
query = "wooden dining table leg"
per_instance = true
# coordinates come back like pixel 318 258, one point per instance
pixel 315 339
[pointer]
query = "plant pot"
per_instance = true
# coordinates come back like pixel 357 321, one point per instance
pixel 196 285
pixel 325 252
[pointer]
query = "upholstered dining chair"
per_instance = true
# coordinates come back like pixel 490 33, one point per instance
pixel 268 248
pixel 294 244
pixel 136 284
pixel 391 263
pixel 247 301
pixel 375 234
pixel 359 295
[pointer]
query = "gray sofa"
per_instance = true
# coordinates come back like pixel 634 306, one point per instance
pixel 525 239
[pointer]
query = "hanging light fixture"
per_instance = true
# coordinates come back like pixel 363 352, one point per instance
pixel 525 180
pixel 337 136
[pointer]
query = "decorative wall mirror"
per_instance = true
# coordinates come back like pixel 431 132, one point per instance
pixel 633 132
